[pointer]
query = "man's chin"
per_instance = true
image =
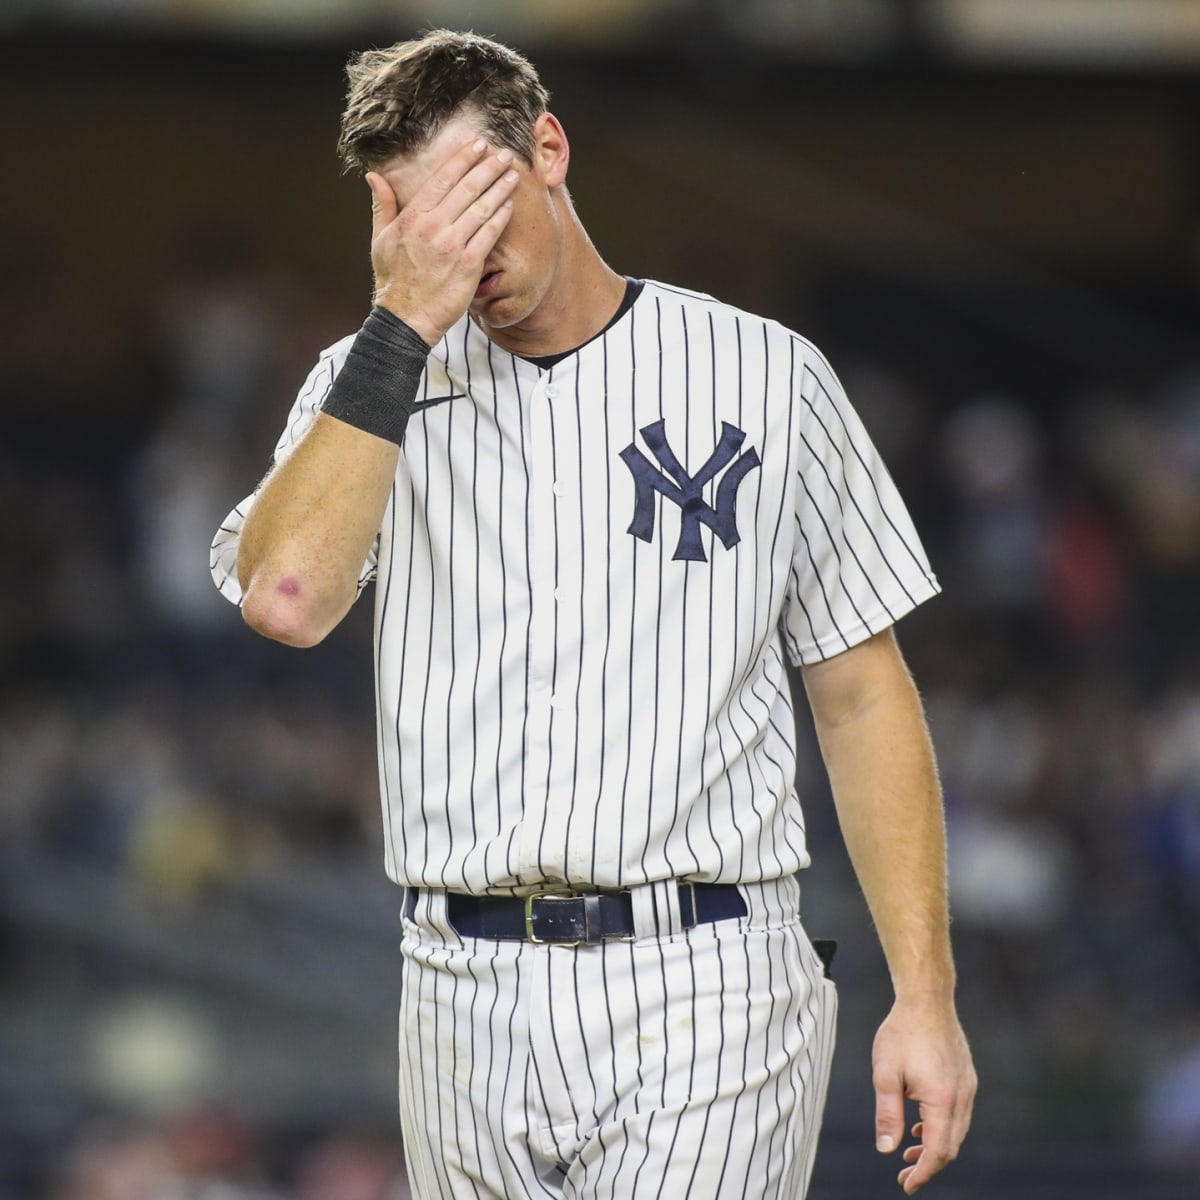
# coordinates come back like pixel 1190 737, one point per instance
pixel 502 312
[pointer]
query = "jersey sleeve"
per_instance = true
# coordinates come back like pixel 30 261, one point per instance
pixel 857 565
pixel 224 552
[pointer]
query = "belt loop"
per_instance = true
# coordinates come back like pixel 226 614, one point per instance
pixel 592 933
pixel 687 904
pixel 645 910
pixel 667 901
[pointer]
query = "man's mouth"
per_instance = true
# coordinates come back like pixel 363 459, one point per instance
pixel 487 283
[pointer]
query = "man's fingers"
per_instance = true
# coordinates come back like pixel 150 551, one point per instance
pixel 488 183
pixel 921 1169
pixel 478 214
pixel 964 1109
pixel 926 1166
pixel 384 205
pixel 912 1153
pixel 488 234
pixel 472 212
pixel 938 1147
pixel 439 185
pixel 889 1111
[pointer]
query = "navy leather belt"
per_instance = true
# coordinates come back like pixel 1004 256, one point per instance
pixel 576 918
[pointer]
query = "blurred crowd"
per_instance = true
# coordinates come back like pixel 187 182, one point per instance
pixel 209 1154
pixel 146 734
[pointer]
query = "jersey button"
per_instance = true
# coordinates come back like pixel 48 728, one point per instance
pixel 559 489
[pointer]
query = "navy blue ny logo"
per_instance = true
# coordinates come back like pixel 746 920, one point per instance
pixel 685 490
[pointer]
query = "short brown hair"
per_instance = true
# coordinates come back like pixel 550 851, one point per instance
pixel 400 97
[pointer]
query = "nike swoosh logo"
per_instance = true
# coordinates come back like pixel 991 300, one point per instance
pixel 420 404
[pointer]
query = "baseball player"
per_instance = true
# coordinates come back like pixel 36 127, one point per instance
pixel 599 512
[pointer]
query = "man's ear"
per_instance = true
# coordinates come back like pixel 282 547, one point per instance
pixel 551 153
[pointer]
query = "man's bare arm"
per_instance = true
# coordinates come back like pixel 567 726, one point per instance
pixel 310 529
pixel 313 521
pixel 880 761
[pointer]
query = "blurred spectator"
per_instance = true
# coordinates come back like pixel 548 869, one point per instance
pixel 1170 1117
pixel 217 1156
pixel 352 1166
pixel 1087 585
pixel 118 1166
pixel 201 1156
pixel 992 451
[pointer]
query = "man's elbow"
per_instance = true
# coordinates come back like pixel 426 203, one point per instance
pixel 285 614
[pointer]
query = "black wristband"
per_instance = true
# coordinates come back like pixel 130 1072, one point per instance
pixel 375 389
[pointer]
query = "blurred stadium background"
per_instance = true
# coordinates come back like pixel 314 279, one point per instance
pixel 987 212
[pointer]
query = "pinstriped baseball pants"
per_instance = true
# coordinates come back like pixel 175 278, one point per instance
pixel 681 1063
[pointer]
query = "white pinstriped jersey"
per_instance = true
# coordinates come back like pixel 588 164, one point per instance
pixel 587 578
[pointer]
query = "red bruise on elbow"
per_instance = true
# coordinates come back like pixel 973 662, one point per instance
pixel 288 586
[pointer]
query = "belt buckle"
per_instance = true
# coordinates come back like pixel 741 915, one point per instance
pixel 555 894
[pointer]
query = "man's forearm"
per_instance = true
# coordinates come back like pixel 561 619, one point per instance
pixel 310 530
pixel 880 762
pixel 314 519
